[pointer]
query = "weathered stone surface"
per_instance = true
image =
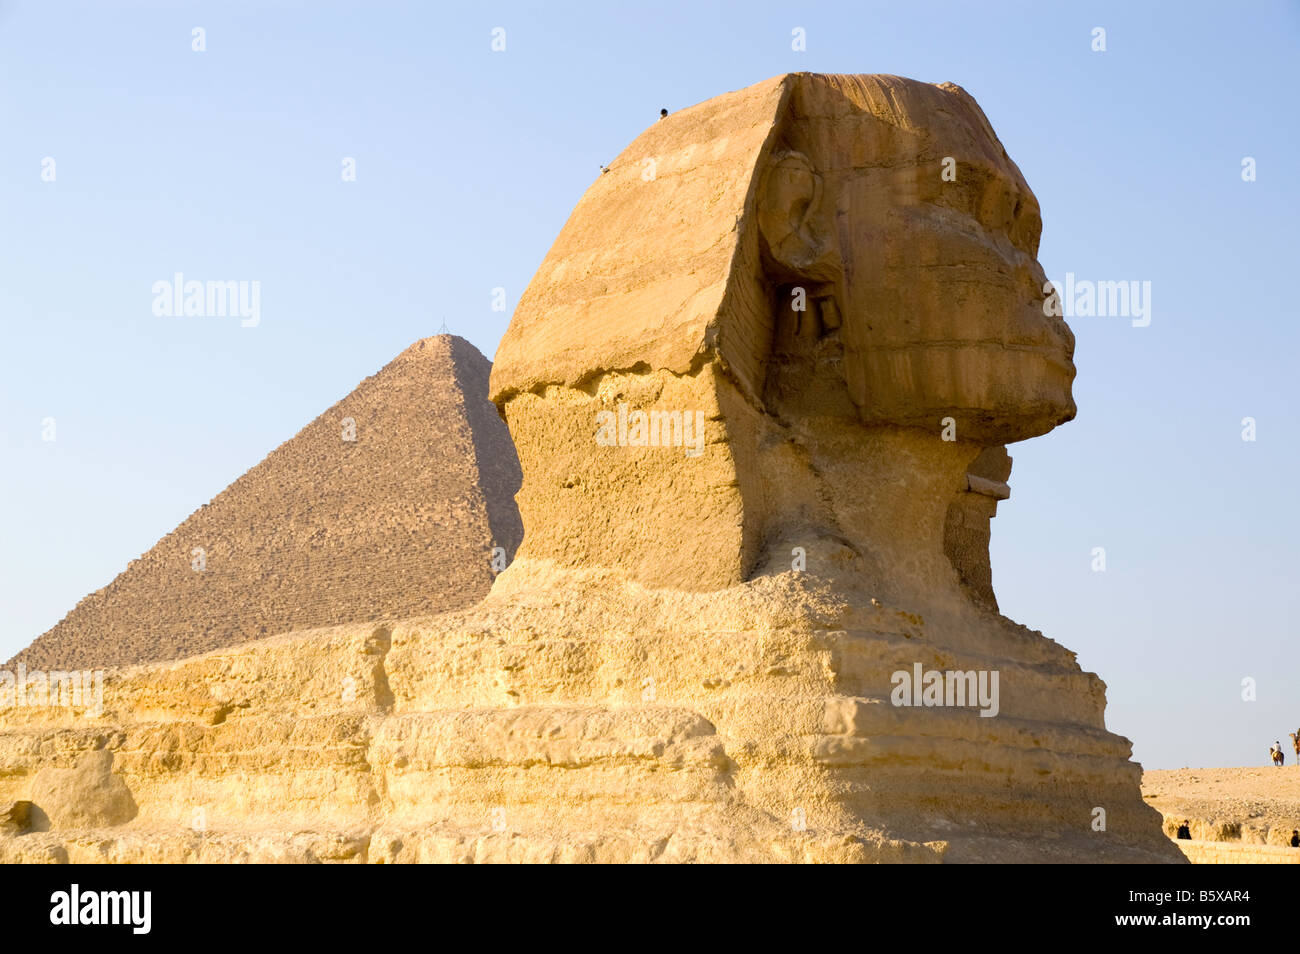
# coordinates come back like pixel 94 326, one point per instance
pixel 693 657
pixel 834 183
pixel 398 522
pixel 15 817
pixel 88 795
pixel 966 530
pixel 577 717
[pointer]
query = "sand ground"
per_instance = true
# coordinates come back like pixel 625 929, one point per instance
pixel 1253 804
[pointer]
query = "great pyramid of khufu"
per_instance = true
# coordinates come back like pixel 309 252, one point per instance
pixel 388 504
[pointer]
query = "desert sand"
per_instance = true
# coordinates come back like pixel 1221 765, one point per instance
pixel 1254 804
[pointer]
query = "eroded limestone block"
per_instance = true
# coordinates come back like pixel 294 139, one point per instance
pixel 88 795
pixel 15 817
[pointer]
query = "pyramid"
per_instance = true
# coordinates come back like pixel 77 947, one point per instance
pixel 388 504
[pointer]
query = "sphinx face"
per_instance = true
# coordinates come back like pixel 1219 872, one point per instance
pixel 942 296
pixel 906 216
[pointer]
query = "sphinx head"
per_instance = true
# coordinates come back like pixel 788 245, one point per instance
pixel 824 265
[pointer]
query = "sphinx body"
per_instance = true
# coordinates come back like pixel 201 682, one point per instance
pixel 693 656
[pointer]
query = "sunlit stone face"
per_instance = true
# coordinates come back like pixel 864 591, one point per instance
pixel 939 297
pixel 944 305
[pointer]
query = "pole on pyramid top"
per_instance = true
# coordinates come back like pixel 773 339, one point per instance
pixel 442 329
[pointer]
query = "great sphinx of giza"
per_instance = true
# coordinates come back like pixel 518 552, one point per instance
pixel 863 333
pixel 760 389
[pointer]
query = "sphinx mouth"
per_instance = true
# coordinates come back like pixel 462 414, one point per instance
pixel 1054 355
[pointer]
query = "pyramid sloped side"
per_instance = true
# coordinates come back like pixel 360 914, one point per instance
pixel 323 531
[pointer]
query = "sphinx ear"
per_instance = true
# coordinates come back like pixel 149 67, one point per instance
pixel 795 224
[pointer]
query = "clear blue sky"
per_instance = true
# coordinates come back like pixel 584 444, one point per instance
pixel 226 165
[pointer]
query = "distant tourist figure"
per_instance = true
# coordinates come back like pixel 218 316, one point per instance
pixel 663 114
pixel 1185 831
pixel 1295 743
pixel 1295 838
pixel 1275 750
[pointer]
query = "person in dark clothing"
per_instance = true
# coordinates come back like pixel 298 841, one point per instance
pixel 1185 831
pixel 1295 838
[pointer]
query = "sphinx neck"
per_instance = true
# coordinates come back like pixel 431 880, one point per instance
pixel 888 490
